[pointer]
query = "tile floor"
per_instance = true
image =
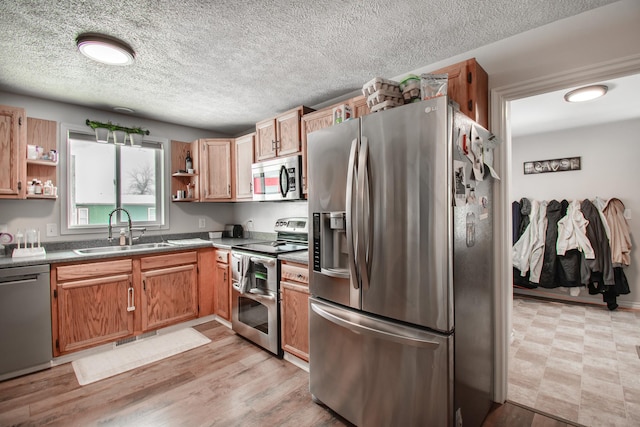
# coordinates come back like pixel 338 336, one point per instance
pixel 577 362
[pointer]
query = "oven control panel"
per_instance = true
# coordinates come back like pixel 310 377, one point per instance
pixel 291 225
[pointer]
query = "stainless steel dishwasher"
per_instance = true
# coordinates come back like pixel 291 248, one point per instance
pixel 25 320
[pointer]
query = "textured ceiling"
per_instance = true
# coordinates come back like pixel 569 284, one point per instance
pixel 224 65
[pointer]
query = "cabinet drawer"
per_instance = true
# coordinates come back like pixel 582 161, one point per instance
pixel 222 256
pixel 295 272
pixel 168 260
pixel 92 269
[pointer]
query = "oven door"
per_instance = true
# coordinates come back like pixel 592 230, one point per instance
pixel 255 317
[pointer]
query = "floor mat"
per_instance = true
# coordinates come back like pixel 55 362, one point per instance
pixel 135 354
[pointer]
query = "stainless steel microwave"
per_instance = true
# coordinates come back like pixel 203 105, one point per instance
pixel 278 179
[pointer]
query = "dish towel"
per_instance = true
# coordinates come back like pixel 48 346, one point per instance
pixel 245 283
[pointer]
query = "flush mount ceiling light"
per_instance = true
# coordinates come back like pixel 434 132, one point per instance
pixel 105 49
pixel 586 93
pixel 126 110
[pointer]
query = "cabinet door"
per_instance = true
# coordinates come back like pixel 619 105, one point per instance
pixel 223 291
pixel 288 133
pixel 94 311
pixel 310 123
pixel 206 281
pixel 295 319
pixel 265 139
pixel 244 159
pixel 216 164
pixel 359 106
pixel 169 296
pixel 468 85
pixel 13 146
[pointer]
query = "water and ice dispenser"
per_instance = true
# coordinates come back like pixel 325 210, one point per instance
pixel 330 253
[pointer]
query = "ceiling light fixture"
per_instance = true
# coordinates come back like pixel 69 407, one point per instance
pixel 105 49
pixel 586 93
pixel 126 110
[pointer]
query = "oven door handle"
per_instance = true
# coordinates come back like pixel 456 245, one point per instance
pixel 264 261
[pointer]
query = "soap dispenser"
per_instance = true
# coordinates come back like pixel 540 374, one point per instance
pixel 123 237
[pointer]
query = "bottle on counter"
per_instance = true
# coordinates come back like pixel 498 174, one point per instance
pixel 123 237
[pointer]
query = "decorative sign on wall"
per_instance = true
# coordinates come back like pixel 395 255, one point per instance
pixel 554 165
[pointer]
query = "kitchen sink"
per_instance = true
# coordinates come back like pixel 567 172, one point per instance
pixel 120 249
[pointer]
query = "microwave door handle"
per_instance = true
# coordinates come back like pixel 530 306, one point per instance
pixel 363 159
pixel 284 189
pixel 350 211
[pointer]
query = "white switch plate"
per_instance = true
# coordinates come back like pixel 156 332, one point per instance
pixel 202 222
pixel 52 230
pixel 627 213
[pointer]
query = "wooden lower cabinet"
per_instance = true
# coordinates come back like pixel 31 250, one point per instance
pixel 294 290
pixel 169 289
pixel 222 283
pixel 206 281
pixel 93 303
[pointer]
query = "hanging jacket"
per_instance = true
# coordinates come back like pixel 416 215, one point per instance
pixel 619 237
pixel 537 245
pixel 600 243
pixel 521 251
pixel 572 232
pixel 550 260
pixel 568 272
pixel 516 219
pixel 525 215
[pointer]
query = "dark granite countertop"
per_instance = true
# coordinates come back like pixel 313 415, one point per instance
pixel 64 251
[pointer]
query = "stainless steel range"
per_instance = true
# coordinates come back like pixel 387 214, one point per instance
pixel 255 299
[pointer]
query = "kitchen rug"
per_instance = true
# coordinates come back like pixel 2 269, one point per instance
pixel 132 355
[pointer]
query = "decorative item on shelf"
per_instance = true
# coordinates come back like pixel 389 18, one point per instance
pixel 119 134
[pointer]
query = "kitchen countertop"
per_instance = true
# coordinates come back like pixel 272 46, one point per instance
pixel 301 257
pixel 67 255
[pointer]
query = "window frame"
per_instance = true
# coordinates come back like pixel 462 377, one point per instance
pixel 163 195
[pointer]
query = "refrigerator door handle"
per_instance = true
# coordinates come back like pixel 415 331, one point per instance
pixel 363 217
pixel 350 211
pixel 370 327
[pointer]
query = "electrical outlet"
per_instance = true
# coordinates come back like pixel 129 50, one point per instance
pixel 52 230
pixel 202 222
pixel 627 213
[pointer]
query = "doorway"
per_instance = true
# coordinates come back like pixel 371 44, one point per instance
pixel 501 112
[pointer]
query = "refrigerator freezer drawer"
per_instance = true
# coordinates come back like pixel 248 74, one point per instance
pixel 375 372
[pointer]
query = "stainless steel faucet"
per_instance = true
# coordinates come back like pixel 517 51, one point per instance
pixel 129 229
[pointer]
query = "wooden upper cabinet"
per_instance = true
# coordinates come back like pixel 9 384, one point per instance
pixel 469 87
pixel 13 146
pixel 181 179
pixel 265 139
pixel 43 133
pixel 359 106
pixel 216 164
pixel 312 122
pixel 280 136
pixel 244 159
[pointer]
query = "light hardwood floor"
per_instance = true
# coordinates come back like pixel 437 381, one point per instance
pixel 229 382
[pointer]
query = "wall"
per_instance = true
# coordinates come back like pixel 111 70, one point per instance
pixel 183 217
pixel 262 216
pixel 609 161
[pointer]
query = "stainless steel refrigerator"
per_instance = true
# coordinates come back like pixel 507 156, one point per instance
pixel 401 269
